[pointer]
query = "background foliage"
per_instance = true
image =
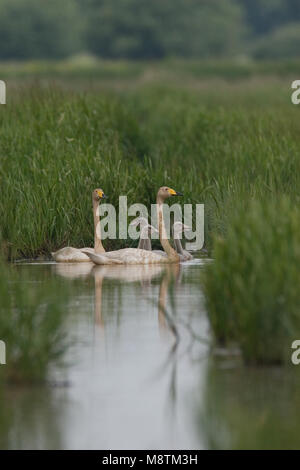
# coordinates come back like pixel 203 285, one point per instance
pixel 143 29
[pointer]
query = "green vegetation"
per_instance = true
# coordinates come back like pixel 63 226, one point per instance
pixel 124 73
pixel 139 29
pixel 39 29
pixel 252 287
pixel 142 29
pixel 230 144
pixel 283 42
pixel 31 324
pixel 217 142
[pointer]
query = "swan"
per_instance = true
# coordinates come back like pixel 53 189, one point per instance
pixel 136 255
pixel 179 227
pixel 77 255
pixel 146 231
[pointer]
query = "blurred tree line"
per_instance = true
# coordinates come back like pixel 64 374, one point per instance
pixel 149 29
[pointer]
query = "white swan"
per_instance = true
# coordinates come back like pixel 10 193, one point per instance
pixel 136 255
pixel 146 232
pixel 178 228
pixel 77 255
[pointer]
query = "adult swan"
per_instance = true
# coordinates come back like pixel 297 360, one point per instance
pixel 77 255
pixel 136 255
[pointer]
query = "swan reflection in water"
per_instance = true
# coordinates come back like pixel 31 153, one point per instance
pixel 143 274
pixel 171 277
pixel 73 271
pixel 156 286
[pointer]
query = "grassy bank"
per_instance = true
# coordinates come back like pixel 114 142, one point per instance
pixel 219 145
pixel 252 287
pixel 90 68
pixel 230 144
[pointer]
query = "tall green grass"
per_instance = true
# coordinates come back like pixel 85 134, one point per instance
pixel 219 145
pixel 252 288
pixel 232 145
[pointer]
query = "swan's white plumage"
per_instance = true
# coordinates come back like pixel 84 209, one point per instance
pixel 178 228
pixel 141 256
pixel 71 255
pixel 128 256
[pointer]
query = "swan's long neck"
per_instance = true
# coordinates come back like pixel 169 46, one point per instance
pixel 145 243
pixel 98 247
pixel 178 246
pixel 171 253
pixel 177 243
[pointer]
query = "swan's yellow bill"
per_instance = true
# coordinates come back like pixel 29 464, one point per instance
pixel 172 192
pixel 101 194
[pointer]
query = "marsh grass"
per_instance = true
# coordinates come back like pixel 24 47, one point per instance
pixel 230 142
pixel 32 325
pixel 252 288
pixel 220 146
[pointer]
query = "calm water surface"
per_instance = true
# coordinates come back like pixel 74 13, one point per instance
pixel 133 374
pixel 140 373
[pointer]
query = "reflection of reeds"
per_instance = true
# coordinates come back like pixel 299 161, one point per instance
pixel 31 418
pixel 31 324
pixel 250 408
pixel 252 287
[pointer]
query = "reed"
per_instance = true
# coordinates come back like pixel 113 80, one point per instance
pixel 251 288
pixel 218 144
pixel 229 143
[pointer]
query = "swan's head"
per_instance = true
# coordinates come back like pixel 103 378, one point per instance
pixel 179 228
pixel 164 192
pixel 98 194
pixel 142 221
pixel 148 230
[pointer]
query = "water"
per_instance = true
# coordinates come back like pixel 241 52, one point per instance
pixel 140 373
pixel 134 370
